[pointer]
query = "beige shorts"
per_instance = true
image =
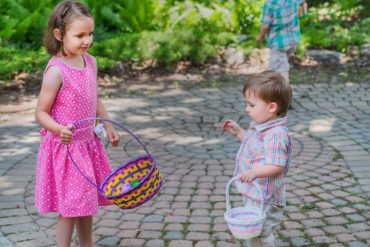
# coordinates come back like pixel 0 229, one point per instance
pixel 274 215
pixel 279 59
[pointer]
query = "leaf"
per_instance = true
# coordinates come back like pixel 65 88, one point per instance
pixel 309 206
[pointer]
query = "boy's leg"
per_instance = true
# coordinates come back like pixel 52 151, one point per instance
pixel 64 231
pixel 279 62
pixel 260 241
pixel 286 76
pixel 84 231
pixel 274 215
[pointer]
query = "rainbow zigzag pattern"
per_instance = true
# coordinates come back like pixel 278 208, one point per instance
pixel 135 169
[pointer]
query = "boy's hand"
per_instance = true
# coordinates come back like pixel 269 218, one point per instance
pixel 263 31
pixel 112 135
pixel 231 126
pixel 248 176
pixel 260 37
pixel 65 134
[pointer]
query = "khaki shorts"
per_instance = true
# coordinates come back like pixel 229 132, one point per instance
pixel 279 59
pixel 274 215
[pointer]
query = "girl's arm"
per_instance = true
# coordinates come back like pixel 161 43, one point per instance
pixel 111 132
pixel 101 111
pixel 51 83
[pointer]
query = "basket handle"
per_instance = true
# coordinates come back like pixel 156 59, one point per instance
pixel 115 123
pixel 228 204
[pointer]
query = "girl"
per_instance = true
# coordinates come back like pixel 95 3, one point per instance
pixel 69 94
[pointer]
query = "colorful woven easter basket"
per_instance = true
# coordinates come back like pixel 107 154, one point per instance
pixel 244 222
pixel 132 184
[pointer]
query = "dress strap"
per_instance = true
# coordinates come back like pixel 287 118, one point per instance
pixel 90 62
pixel 54 62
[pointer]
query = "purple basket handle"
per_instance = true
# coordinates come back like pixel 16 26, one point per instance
pixel 228 204
pixel 122 127
pixel 117 124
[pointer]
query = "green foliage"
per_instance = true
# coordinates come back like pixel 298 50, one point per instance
pixel 24 21
pixel 124 15
pixel 172 30
pixel 248 14
pixel 14 60
pixel 334 26
pixel 164 47
pixel 214 18
pixel 119 48
pixel 360 32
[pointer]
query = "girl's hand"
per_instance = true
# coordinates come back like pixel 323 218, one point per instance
pixel 65 134
pixel 232 127
pixel 112 135
pixel 248 176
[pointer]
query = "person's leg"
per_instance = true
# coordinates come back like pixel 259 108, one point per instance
pixel 84 231
pixel 279 62
pixel 64 231
pixel 274 215
pixel 289 53
pixel 286 76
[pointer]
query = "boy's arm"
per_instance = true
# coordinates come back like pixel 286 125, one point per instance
pixel 266 21
pixel 263 31
pixel 233 128
pixel 266 171
pixel 277 146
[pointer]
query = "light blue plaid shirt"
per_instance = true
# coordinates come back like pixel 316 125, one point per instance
pixel 283 19
pixel 267 143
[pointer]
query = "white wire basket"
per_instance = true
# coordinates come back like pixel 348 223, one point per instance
pixel 244 222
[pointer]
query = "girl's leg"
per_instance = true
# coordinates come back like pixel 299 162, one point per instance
pixel 64 231
pixel 84 231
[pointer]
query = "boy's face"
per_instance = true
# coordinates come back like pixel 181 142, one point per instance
pixel 258 110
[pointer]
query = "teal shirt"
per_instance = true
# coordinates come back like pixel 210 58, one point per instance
pixel 282 17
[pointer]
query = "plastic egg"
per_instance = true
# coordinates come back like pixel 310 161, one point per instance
pixel 135 183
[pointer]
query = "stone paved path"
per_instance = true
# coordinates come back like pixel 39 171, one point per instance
pixel 328 184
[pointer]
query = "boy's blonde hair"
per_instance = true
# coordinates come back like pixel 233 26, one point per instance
pixel 63 14
pixel 271 87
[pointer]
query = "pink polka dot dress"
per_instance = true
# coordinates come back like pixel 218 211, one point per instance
pixel 59 186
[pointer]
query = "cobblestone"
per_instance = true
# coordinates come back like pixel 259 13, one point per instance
pixel 328 185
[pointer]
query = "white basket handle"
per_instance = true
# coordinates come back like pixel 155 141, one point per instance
pixel 228 205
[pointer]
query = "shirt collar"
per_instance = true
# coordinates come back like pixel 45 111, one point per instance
pixel 270 124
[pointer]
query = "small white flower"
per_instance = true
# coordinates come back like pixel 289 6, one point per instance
pixel 99 130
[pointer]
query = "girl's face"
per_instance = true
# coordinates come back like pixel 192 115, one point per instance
pixel 78 36
pixel 258 110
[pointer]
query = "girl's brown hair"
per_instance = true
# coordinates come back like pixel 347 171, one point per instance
pixel 271 87
pixel 62 15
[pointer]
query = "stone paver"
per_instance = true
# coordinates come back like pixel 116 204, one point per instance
pixel 328 186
